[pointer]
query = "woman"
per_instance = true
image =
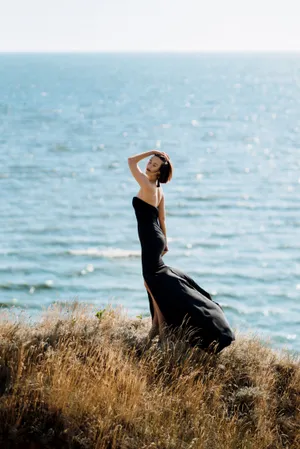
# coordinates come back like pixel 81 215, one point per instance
pixel 175 298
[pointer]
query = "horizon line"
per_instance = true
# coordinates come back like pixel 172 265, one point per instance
pixel 148 51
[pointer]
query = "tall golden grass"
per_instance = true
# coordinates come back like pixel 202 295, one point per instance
pixel 74 380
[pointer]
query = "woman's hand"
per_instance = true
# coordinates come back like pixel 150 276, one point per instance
pixel 161 153
pixel 165 251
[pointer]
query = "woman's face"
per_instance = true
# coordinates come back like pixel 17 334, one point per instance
pixel 153 165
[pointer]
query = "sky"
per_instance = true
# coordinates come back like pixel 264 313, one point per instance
pixel 149 25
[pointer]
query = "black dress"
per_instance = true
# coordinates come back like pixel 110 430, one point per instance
pixel 178 297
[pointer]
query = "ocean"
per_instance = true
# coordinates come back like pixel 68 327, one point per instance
pixel 231 125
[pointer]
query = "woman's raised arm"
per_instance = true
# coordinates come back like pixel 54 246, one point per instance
pixel 137 173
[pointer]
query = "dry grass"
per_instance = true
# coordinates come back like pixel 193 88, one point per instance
pixel 77 381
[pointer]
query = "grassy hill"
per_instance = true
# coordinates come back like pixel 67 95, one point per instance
pixel 76 380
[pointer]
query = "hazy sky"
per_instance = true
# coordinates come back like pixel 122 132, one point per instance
pixel 149 25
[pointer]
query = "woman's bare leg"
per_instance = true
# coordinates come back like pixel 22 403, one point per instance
pixel 158 319
pixel 154 328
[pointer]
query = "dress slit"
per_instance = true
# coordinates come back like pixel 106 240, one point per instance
pixel 155 306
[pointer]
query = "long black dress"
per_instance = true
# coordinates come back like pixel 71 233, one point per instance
pixel 177 295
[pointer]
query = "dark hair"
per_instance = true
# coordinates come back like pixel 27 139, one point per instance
pixel 166 170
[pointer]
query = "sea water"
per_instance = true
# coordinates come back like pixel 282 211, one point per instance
pixel 231 125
